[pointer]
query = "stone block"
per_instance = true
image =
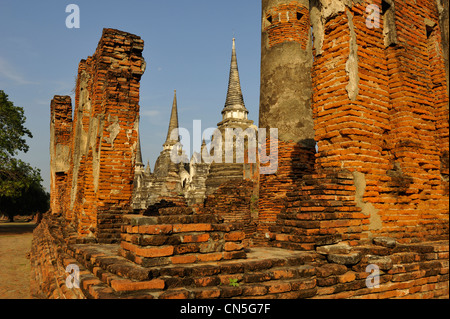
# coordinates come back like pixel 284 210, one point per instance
pixel 345 259
pixel 340 248
pixel 385 242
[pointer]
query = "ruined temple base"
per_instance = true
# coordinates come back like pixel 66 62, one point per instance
pixel 417 270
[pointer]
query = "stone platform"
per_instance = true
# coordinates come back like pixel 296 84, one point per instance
pixel 336 271
pixel 266 272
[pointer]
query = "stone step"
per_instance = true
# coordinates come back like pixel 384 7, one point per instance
pixel 139 220
pixel 277 289
pixel 114 276
pixel 253 263
pixel 215 278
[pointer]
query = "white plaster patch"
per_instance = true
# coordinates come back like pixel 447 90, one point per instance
pixel 113 130
pixel 351 66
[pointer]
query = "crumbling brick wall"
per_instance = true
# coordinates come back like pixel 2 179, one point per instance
pixel 380 111
pixel 49 260
pixel 294 162
pixel 320 210
pixel 339 271
pixel 236 202
pixel 60 139
pixel 380 123
pixel 178 235
pixel 288 22
pixel 104 136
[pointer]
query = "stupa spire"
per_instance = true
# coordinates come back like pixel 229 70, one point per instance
pixel 138 163
pixel 173 123
pixel 235 99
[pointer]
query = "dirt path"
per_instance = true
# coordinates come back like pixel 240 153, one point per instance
pixel 15 243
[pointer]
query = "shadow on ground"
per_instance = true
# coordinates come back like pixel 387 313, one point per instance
pixel 16 228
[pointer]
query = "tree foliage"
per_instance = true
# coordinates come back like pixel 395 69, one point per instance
pixel 21 190
pixel 29 199
pixel 12 129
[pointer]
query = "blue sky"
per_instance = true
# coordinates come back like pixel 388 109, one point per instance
pixel 187 48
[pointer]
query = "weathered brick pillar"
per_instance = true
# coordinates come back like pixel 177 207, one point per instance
pixel 437 47
pixel 418 139
pixel 105 135
pixel 60 138
pixel 285 100
pixel 351 104
pixel 380 111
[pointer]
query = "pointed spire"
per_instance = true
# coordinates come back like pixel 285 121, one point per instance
pixel 235 99
pixel 139 152
pixel 173 124
pixel 147 168
pixel 139 165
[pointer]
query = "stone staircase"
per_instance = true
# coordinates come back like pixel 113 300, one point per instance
pixel 405 271
pixel 104 274
pixel 174 253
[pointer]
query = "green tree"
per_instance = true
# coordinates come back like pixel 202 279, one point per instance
pixel 12 129
pixel 21 191
pixel 29 199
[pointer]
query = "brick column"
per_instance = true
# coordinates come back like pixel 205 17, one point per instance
pixel 105 137
pixel 378 101
pixel 418 139
pixel 285 101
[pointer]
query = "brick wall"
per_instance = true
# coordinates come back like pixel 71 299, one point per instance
pixel 417 128
pixel 387 121
pixel 294 162
pixel 49 261
pixel 104 139
pixel 177 235
pixel 61 130
pixel 287 22
pixel 320 210
pixel 236 202
pixel 417 271
pixel 379 118
pixel 376 193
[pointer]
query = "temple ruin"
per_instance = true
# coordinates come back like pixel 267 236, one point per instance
pixel 193 179
pixel 358 91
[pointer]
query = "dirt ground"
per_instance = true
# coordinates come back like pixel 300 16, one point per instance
pixel 15 244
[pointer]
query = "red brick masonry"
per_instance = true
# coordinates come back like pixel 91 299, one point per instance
pixel 406 271
pixel 375 193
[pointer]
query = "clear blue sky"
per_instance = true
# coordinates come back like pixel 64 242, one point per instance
pixel 187 48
